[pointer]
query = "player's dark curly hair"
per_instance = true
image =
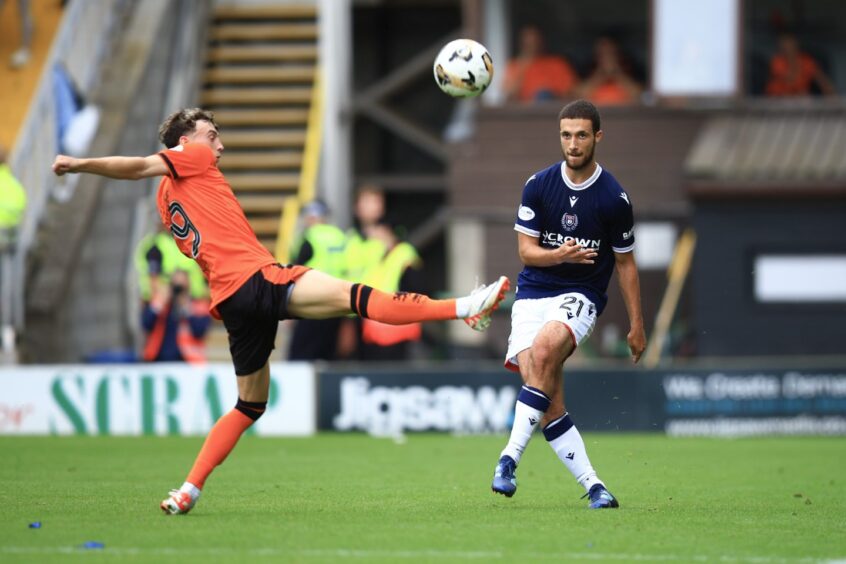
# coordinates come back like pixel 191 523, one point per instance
pixel 181 123
pixel 581 109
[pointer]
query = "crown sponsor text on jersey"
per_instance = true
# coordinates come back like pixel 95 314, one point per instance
pixel 557 239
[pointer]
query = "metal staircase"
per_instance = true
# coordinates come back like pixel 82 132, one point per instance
pixel 261 68
pixel 260 81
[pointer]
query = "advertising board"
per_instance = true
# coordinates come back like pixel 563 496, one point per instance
pixel 147 399
pixel 695 402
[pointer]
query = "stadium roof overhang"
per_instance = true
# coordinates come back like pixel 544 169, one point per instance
pixel 779 150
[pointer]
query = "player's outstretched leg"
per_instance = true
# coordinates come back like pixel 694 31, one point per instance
pixel 565 439
pixel 528 411
pixel 401 307
pixel 319 296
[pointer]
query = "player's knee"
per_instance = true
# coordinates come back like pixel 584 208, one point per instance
pixel 543 357
pixel 252 409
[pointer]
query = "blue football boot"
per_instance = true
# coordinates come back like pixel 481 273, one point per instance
pixel 600 498
pixel 505 482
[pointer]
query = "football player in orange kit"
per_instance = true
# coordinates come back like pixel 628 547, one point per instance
pixel 250 291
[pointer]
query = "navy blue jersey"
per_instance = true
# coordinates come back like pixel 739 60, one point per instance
pixel 596 214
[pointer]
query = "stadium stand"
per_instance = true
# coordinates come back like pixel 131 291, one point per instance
pixel 79 237
pixel 20 84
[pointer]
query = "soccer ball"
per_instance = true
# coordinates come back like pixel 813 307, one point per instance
pixel 463 68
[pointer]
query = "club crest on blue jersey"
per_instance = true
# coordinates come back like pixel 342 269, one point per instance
pixel 569 221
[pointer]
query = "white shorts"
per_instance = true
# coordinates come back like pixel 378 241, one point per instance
pixel 573 309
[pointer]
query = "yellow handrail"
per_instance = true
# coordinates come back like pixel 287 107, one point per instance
pixel 308 174
pixel 676 274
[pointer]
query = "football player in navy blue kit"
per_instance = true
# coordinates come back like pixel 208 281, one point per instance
pixel 574 227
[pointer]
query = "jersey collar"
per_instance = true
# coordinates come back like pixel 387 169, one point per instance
pixel 586 184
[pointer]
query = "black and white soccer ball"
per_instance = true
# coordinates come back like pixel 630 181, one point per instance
pixel 463 68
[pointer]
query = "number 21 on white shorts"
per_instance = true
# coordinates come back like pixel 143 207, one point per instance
pixel 573 309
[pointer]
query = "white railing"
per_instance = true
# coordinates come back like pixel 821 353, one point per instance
pixel 83 40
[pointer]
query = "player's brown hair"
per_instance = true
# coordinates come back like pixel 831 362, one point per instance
pixel 181 123
pixel 581 109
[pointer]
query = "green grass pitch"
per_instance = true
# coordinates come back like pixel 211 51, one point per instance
pixel 352 498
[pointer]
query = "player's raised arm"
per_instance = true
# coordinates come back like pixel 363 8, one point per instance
pixel 122 168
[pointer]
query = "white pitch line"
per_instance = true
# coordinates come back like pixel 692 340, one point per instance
pixel 352 553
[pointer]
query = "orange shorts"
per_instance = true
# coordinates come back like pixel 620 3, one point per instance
pixel 251 315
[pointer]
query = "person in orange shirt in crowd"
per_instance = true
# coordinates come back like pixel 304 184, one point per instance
pixel 610 82
pixel 250 291
pixel 793 72
pixel 534 75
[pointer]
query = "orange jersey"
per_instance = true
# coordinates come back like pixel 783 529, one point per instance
pixel 787 81
pixel 610 93
pixel 207 222
pixel 546 74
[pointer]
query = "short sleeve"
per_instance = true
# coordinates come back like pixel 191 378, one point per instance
pixel 188 160
pixel 622 224
pixel 528 214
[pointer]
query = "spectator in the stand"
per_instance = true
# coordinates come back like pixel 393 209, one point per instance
pixel 321 247
pixel 22 54
pixel 398 270
pixel 12 203
pixel 610 82
pixel 12 206
pixel 794 72
pixel 363 252
pixel 157 256
pixel 535 75
pixel 176 324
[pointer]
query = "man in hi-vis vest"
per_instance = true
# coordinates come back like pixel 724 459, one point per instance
pixel 156 257
pixel 320 246
pixel 399 270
